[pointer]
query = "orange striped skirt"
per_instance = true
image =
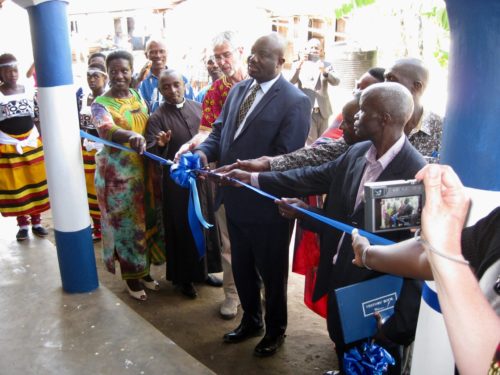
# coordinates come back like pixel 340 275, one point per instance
pixel 89 168
pixel 23 182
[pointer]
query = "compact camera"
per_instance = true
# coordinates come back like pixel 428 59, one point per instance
pixel 393 205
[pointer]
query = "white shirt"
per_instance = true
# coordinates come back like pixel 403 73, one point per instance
pixel 264 88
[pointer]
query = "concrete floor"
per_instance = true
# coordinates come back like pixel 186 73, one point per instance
pixel 47 331
pixel 193 325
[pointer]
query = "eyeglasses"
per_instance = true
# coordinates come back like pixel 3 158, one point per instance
pixel 225 55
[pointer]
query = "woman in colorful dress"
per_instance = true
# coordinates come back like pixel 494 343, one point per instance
pixel 23 182
pixel 96 79
pixel 131 222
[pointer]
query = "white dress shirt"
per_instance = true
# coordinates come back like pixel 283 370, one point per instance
pixel 264 88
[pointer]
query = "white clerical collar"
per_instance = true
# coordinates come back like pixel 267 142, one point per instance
pixel 179 105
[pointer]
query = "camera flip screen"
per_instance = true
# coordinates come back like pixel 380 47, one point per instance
pixel 397 212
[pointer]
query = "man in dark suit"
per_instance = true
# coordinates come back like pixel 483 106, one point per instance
pixel 384 110
pixel 262 115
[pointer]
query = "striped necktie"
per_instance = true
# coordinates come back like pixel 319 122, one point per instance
pixel 247 103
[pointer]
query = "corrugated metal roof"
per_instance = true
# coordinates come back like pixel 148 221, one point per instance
pixel 108 6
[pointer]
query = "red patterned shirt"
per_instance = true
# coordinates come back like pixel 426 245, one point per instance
pixel 213 102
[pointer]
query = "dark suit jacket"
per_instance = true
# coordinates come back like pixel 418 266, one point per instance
pixel 278 125
pixel 340 179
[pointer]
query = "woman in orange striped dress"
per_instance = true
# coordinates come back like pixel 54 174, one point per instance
pixel 23 183
pixel 96 79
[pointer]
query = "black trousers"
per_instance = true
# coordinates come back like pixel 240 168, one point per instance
pixel 259 254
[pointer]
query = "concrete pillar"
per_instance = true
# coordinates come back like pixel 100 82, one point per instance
pixel 470 145
pixel 61 143
pixel 470 138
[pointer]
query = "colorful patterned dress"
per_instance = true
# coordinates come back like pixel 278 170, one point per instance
pixel 23 182
pixel 131 221
pixel 89 150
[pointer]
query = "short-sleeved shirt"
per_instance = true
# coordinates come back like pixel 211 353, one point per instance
pixel 17 112
pixel 426 136
pixel 214 100
pixel 481 247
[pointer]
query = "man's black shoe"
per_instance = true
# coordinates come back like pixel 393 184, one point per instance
pixel 268 345
pixel 242 333
pixel 188 290
pixel 213 281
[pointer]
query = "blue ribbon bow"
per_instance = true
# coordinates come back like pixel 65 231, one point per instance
pixel 373 360
pixel 183 175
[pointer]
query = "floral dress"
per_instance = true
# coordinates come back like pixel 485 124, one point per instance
pixel 131 221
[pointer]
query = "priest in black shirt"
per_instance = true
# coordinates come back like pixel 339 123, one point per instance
pixel 174 123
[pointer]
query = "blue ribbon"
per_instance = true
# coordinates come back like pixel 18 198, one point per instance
pixel 373 238
pixel 124 148
pixel 431 298
pixel 372 360
pixel 183 175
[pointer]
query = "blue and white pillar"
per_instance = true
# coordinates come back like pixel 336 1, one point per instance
pixel 61 143
pixel 470 146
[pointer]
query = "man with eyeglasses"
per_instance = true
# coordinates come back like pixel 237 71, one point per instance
pixel 228 54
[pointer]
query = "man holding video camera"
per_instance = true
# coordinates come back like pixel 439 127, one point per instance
pixel 385 108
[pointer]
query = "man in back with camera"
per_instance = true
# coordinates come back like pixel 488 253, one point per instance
pixel 313 75
pixel 385 108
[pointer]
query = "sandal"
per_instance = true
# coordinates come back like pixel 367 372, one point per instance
pixel 150 284
pixel 138 295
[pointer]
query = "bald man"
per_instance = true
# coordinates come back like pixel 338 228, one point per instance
pixel 424 129
pixel 385 108
pixel 262 115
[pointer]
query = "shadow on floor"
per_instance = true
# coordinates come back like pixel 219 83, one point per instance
pixel 196 327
